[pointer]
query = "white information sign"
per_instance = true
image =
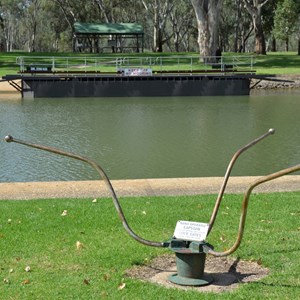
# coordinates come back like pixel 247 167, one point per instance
pixel 137 72
pixel 191 231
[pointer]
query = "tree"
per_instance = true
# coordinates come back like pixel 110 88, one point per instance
pixel 181 18
pixel 285 21
pixel 74 11
pixel 238 44
pixel 10 13
pixel 268 13
pixel 68 11
pixel 254 8
pixel 208 16
pixel 298 26
pixel 106 9
pixel 236 26
pixel 298 35
pixel 32 11
pixel 42 25
pixel 160 11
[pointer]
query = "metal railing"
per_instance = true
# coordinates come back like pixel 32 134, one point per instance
pixel 158 64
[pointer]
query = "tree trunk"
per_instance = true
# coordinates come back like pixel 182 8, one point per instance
pixel 298 46
pixel 237 29
pixel 9 36
pixel 287 44
pixel 176 31
pixel 255 11
pixel 157 34
pixel 69 15
pixel 273 46
pixel 176 40
pixel 207 14
pixel 161 12
pixel 105 10
pixel 260 42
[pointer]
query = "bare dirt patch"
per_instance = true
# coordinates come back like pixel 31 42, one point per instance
pixel 228 273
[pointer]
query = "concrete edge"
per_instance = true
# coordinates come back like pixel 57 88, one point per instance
pixel 142 187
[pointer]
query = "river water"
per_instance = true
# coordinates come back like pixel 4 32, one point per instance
pixel 149 137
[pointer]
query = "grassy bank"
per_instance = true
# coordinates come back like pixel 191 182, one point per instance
pixel 38 235
pixel 273 63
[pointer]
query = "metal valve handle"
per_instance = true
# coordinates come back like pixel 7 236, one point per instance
pixel 103 175
pixel 206 248
pixel 245 207
pixel 228 171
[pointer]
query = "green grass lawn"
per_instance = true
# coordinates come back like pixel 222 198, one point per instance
pixel 273 63
pixel 278 63
pixel 35 234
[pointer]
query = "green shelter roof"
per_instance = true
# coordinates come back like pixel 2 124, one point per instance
pixel 108 28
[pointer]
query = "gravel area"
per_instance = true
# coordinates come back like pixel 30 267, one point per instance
pixel 282 82
pixel 227 273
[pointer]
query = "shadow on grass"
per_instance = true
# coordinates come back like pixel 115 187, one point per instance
pixel 278 62
pixel 276 285
pixel 281 251
pixel 226 273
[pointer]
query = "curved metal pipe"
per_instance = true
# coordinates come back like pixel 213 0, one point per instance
pixel 106 180
pixel 227 174
pixel 245 207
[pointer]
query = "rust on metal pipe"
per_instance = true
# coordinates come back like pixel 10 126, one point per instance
pixel 245 207
pixel 227 174
pixel 103 175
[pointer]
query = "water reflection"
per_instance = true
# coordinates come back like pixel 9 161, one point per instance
pixel 149 138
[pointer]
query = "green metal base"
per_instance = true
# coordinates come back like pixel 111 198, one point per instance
pixel 205 280
pixel 190 262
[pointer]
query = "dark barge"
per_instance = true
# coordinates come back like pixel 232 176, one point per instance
pixel 41 77
pixel 130 86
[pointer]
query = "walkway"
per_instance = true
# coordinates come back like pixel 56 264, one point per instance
pixel 141 187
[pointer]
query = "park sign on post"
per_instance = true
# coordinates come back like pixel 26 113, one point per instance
pixel 191 231
pixel 137 72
